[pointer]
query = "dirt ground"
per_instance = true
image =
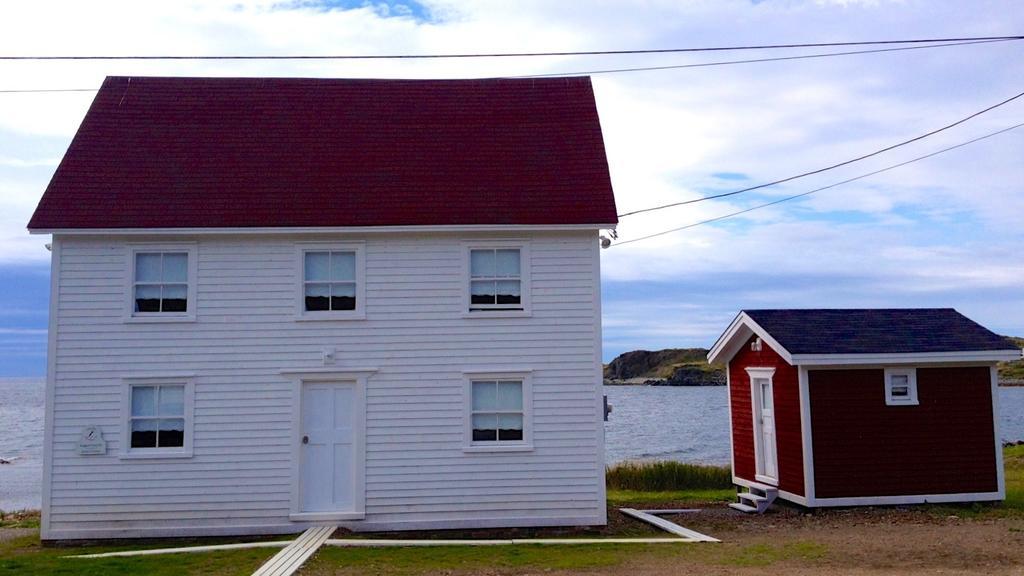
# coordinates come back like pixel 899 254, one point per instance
pixel 862 541
pixel 852 541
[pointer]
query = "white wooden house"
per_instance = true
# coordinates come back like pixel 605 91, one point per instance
pixel 278 302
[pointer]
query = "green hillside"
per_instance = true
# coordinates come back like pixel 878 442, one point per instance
pixel 677 366
pixel 1013 371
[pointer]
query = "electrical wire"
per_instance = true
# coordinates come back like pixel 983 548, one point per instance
pixel 36 90
pixel 515 54
pixel 750 61
pixel 827 168
pixel 644 69
pixel 840 183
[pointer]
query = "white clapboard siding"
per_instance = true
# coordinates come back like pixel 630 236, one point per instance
pixel 240 476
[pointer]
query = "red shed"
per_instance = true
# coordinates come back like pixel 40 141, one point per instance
pixel 863 407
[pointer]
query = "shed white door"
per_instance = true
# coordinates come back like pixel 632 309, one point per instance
pixel 767 456
pixel 328 449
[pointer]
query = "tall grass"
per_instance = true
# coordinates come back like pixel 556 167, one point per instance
pixel 666 476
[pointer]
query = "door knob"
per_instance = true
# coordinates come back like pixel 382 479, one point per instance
pixel 305 439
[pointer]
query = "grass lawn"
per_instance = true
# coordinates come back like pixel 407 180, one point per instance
pixel 22 554
pixel 967 539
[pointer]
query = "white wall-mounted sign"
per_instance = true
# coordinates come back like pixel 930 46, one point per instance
pixel 91 441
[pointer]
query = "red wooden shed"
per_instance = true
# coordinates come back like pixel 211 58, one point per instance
pixel 863 407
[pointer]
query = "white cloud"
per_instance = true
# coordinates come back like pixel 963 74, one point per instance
pixel 929 227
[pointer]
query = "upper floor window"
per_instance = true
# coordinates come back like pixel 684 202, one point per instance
pixel 331 281
pixel 901 386
pixel 498 279
pixel 162 282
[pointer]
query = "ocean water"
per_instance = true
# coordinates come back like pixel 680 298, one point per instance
pixel 648 423
pixel 691 424
pixel 21 437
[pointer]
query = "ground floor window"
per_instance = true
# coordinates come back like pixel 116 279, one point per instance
pixel 497 411
pixel 158 416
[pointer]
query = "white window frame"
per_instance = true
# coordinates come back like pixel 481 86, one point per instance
pixel 184 451
pixel 524 278
pixel 519 374
pixel 911 398
pixel 189 315
pixel 359 248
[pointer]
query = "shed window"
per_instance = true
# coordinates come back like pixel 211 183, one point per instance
pixel 497 414
pixel 161 282
pixel 158 416
pixel 901 386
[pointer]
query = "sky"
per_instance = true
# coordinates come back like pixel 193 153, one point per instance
pixel 943 232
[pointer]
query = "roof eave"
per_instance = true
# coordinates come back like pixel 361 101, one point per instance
pixel 741 328
pixel 960 356
pixel 322 229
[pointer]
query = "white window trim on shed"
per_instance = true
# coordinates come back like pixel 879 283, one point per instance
pixel 911 398
pixel 130 315
pixel 359 248
pixel 524 375
pixel 187 380
pixel 524 310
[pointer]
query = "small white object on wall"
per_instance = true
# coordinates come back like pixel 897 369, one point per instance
pixel 91 442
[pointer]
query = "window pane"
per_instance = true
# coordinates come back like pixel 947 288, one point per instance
pixel 899 380
pixel 147 298
pixel 317 266
pixel 507 263
pixel 485 396
pixel 766 395
pixel 481 263
pixel 175 267
pixel 318 297
pixel 175 298
pixel 482 292
pixel 510 427
pixel 508 292
pixel 900 391
pixel 147 267
pixel 485 427
pixel 143 401
pixel 343 266
pixel 510 396
pixel 343 296
pixel 172 433
pixel 144 433
pixel 172 401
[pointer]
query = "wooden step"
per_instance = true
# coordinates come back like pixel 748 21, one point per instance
pixel 751 496
pixel 743 507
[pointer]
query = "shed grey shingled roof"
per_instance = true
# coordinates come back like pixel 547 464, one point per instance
pixel 877 331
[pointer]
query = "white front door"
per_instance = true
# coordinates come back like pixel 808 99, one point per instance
pixel 767 457
pixel 328 449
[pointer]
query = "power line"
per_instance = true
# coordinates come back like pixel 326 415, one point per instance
pixel 840 183
pixel 750 61
pixel 515 54
pixel 827 168
pixel 640 69
pixel 35 90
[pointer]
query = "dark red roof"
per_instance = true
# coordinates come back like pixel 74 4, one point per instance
pixel 244 152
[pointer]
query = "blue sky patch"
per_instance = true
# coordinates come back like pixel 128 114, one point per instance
pixel 730 176
pixel 384 9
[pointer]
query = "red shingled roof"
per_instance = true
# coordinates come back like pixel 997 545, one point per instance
pixel 244 152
